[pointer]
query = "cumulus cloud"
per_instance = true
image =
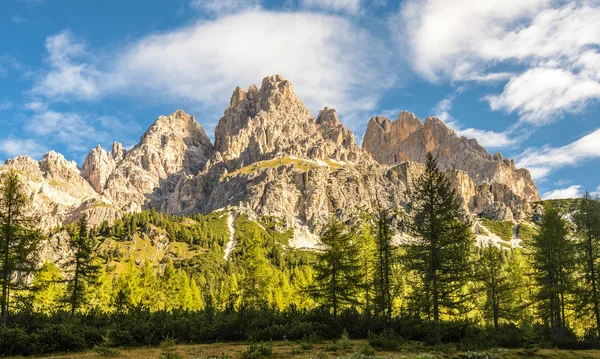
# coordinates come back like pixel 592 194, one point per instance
pixel 551 48
pixel 559 193
pixel 345 6
pixel 71 74
pixel 328 59
pixel 10 147
pixel 541 162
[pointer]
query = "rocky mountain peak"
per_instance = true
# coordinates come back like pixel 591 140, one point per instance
pixel 407 139
pixel 271 121
pixel 97 168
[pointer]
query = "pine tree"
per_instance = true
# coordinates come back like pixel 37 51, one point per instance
pixel 439 257
pixel 83 264
pixel 587 229
pixel 19 240
pixel 338 278
pixel 552 254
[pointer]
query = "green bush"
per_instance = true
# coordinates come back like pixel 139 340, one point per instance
pixel 258 350
pixel 367 350
pixel 386 340
pixel 169 349
pixel 304 345
pixel 344 341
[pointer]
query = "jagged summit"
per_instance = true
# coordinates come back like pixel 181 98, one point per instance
pixel 271 121
pixel 407 139
pixel 272 157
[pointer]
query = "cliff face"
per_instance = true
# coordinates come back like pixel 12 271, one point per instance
pixel 272 157
pixel 407 139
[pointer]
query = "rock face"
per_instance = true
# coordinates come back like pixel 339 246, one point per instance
pixel 272 157
pixel 407 139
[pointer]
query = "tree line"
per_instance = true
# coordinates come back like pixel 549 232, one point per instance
pixel 384 267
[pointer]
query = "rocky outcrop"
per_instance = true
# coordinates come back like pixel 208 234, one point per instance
pixel 407 139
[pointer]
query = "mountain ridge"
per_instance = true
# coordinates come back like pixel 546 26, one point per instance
pixel 272 157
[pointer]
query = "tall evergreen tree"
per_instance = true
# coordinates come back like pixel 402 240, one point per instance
pixel 338 277
pixel 83 265
pixel 587 229
pixel 383 273
pixel 439 257
pixel 19 240
pixel 495 279
pixel 256 282
pixel 552 254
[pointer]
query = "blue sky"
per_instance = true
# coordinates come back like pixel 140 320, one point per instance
pixel 523 77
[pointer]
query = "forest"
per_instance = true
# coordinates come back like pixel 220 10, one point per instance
pixel 150 278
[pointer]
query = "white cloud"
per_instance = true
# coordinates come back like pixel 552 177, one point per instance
pixel 551 48
pixel 328 59
pixel 346 6
pixel 486 138
pixel 71 74
pixel 11 147
pixel 541 162
pixel 569 192
pixel 216 7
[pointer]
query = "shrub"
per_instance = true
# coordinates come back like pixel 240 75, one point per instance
pixel 344 341
pixel 321 355
pixel 304 345
pixel 258 350
pixel 169 349
pixel 386 340
pixel 367 350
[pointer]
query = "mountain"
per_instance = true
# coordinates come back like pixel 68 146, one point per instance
pixel 271 157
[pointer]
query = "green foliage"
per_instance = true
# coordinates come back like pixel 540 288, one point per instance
pixel 258 350
pixel 503 229
pixel 306 345
pixel 366 350
pixel 553 255
pixel 338 278
pixel 439 258
pixel 19 241
pixel 169 349
pixel 387 340
pixel 525 232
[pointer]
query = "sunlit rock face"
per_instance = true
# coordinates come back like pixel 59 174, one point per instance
pixel 271 157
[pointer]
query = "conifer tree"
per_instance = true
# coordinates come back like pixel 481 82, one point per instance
pixel 383 273
pixel 439 257
pixel 255 284
pixel 19 240
pixel 495 280
pixel 552 254
pixel 368 263
pixel 48 288
pixel 337 273
pixel 587 229
pixel 83 264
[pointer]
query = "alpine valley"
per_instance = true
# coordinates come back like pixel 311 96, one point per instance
pixel 272 158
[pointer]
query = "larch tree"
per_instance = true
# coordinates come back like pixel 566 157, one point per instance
pixel 553 252
pixel 439 256
pixel 587 231
pixel 19 240
pixel 337 280
pixel 84 265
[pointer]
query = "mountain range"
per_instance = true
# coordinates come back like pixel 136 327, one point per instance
pixel 271 157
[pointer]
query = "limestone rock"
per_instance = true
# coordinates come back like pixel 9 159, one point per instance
pixel 407 139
